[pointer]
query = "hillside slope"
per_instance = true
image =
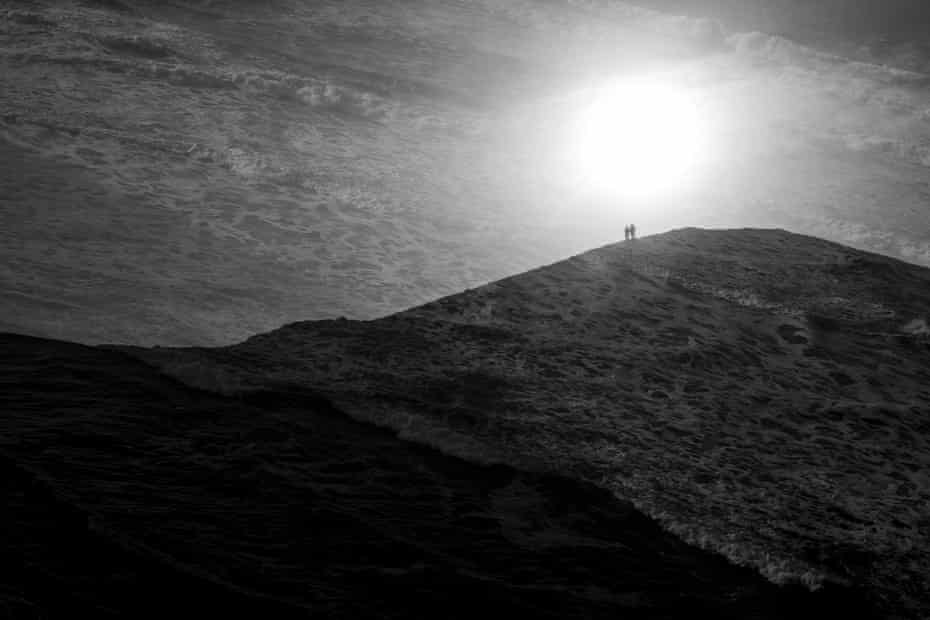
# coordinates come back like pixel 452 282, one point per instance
pixel 128 495
pixel 759 393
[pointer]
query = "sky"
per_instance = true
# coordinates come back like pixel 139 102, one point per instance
pixel 195 172
pixel 891 32
pixel 802 136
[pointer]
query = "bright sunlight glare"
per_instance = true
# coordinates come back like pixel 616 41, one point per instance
pixel 638 140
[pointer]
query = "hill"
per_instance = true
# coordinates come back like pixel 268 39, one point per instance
pixel 761 394
pixel 129 495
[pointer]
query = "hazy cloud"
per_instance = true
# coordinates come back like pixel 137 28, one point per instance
pixel 859 106
pixel 317 93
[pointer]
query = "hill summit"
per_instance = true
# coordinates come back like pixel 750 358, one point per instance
pixel 760 393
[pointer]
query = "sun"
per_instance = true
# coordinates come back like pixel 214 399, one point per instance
pixel 638 139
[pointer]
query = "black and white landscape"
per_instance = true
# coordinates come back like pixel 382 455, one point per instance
pixel 308 309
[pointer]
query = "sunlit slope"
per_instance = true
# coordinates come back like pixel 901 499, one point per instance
pixel 760 393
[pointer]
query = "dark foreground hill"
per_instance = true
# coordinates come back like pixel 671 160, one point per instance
pixel 128 494
pixel 760 394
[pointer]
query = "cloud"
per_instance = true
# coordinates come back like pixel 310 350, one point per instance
pixel 708 33
pixel 915 252
pixel 772 50
pixel 588 23
pixel 317 93
pixel 345 100
pixel 701 34
pixel 862 107
pixel 767 48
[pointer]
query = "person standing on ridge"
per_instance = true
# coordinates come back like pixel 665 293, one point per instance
pixel 632 231
pixel 626 232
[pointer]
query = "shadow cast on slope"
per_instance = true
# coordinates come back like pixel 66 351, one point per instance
pixel 125 485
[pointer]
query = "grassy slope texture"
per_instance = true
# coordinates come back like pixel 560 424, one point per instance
pixel 127 494
pixel 762 394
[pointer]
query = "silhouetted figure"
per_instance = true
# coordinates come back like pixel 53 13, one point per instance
pixel 632 231
pixel 626 233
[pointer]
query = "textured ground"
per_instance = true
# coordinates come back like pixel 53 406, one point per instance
pixel 197 172
pixel 126 494
pixel 762 394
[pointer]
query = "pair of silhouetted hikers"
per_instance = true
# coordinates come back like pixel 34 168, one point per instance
pixel 629 232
